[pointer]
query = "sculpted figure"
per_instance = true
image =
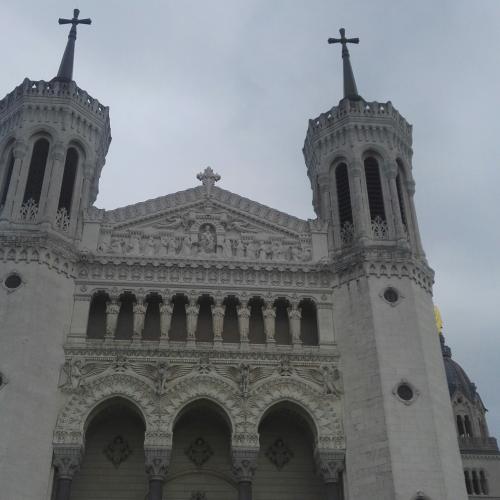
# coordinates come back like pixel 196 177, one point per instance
pixel 166 310
pixel 162 377
pixel 218 319
pixel 115 246
pixel 294 316
pixel 150 248
pixel 252 249
pixel 139 315
pixel 192 311
pixel 207 239
pixel 186 245
pixel 240 249
pixel 244 379
pixel 269 322
pixel 227 248
pixel 330 375
pixel 74 373
pixel 243 322
pixel 164 248
pixel 112 311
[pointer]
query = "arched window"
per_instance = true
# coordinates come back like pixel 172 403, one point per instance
pixel 344 202
pixel 256 334
pixel 125 324
pixel 468 483
pixel 468 426
pixel 401 199
pixel 96 326
pixel 308 323
pixel 484 483
pixel 204 327
pixel 5 181
pixel 460 426
pixel 178 327
pixel 68 181
pixel 282 329
pixel 374 189
pixel 36 171
pixel 230 330
pixel 152 319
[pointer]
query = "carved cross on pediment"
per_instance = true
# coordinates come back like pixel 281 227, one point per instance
pixel 208 178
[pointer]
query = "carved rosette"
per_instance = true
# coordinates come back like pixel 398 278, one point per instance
pixel 330 464
pixel 244 463
pixel 67 460
pixel 157 462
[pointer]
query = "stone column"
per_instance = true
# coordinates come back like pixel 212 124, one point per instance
pixel 294 317
pixel 15 188
pixel 139 309
pixel 330 464
pixel 269 314
pixel 244 322
pixel 66 460
pixel 244 466
pixel 166 311
pixel 396 209
pixel 112 311
pixel 157 462
pixel 410 188
pixel 218 311
pixel 192 311
pixel 360 212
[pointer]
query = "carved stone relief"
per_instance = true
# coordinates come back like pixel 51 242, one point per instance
pixel 279 453
pixel 199 451
pixel 117 451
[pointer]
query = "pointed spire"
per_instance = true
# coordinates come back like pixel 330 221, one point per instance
pixel 350 89
pixel 65 73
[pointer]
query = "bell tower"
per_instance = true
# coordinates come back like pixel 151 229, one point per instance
pixel 53 142
pixel 400 433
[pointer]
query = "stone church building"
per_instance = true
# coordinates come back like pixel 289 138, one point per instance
pixel 203 346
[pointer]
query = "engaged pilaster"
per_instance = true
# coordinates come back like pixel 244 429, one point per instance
pixel 244 467
pixel 330 465
pixel 157 462
pixel 66 460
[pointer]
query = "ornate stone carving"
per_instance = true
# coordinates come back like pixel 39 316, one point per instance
pixel 380 229
pixel 199 451
pixel 117 450
pixel 157 462
pixel 243 322
pixel 244 463
pixel 218 311
pixel 294 317
pixel 139 310
pixel 330 377
pixel 269 314
pixel 329 464
pixel 166 311
pixel 29 211
pixel 192 311
pixel 112 311
pixel 279 453
pixel 67 460
pixel 285 368
pixel 244 379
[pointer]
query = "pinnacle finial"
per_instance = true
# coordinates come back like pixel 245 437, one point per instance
pixel 65 73
pixel 350 89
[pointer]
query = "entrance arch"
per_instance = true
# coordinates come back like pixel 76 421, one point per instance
pixel 113 463
pixel 285 464
pixel 201 454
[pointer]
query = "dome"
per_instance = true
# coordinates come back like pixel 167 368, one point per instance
pixel 456 376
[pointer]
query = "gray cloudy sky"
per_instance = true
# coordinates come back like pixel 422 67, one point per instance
pixel 232 83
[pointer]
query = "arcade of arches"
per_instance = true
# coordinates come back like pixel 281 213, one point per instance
pixel 201 464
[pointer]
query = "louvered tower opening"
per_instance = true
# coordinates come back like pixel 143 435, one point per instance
pixel 401 200
pixel 374 189
pixel 344 203
pixel 36 173
pixel 6 180
pixel 68 182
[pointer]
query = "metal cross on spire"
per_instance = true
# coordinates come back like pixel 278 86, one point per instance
pixel 350 90
pixel 65 73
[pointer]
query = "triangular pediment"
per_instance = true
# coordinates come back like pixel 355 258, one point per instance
pixel 206 223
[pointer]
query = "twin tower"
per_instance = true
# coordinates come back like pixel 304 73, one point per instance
pixel 400 440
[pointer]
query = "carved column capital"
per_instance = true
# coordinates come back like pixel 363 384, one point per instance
pixel 67 460
pixel 330 464
pixel 157 462
pixel 244 463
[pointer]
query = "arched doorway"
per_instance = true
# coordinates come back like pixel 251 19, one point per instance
pixel 285 465
pixel 113 464
pixel 200 465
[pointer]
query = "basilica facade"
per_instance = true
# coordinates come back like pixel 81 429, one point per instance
pixel 203 346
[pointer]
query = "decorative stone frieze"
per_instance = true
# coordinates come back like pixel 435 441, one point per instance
pixel 244 463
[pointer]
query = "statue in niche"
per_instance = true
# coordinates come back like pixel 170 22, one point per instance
pixel 269 314
pixel 218 311
pixel 150 247
pixel 192 311
pixel 186 246
pixel 112 311
pixel 243 321
pixel 227 248
pixel 207 239
pixel 252 249
pixel 295 315
pixel 166 311
pixel 139 314
pixel 240 249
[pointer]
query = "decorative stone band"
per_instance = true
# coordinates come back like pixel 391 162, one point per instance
pixel 157 462
pixel 67 460
pixel 244 463
pixel 330 464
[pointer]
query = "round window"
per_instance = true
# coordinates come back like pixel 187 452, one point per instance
pixel 13 281
pixel 405 392
pixel 391 295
